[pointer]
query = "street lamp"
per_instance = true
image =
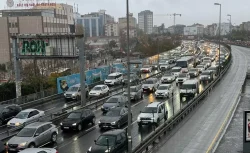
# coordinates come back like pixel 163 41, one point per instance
pixel 219 34
pixel 230 25
pixel 129 100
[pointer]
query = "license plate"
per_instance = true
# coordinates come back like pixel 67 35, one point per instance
pixel 66 127
pixel 105 126
pixel 11 149
pixel 145 122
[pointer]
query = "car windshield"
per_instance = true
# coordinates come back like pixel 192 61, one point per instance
pixel 146 66
pixel 206 61
pixel 212 68
pixel 111 77
pixel 167 75
pixel 182 75
pixel 112 100
pixel 162 61
pixel 182 64
pixel 176 70
pixel 22 115
pixel 113 113
pixel 26 132
pixel 200 66
pixel 74 115
pixel 105 140
pixel 149 110
pixel 73 89
pixel 188 86
pixel 192 70
pixel 163 88
pixel 205 73
pixel 97 88
pixel 149 82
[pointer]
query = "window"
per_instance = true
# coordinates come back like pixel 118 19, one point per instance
pixel 39 130
pixel 6 110
pixel 119 138
pixel 46 127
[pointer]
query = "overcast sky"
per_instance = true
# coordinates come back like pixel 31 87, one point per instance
pixel 193 11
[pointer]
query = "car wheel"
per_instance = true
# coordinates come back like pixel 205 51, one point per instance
pixel 93 121
pixel 79 127
pixel 118 125
pixel 32 145
pixel 54 137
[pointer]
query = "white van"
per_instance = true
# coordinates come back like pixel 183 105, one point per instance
pixel 189 88
pixel 114 78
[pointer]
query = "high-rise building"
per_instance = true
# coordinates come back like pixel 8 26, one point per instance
pixel 145 21
pixel 123 21
pixel 194 30
pixel 39 20
pixel 111 29
pixel 94 23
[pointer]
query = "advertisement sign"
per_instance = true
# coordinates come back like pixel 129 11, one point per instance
pixel 247 126
pixel 29 3
pixel 33 46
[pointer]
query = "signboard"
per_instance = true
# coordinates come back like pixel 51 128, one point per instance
pixel 29 3
pixel 246 131
pixel 33 46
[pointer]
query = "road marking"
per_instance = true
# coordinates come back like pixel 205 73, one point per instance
pixel 49 109
pixel 91 128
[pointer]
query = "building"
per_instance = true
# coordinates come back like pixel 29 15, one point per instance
pixel 156 29
pixel 112 29
pixel 94 23
pixel 194 30
pixel 132 32
pixel 245 26
pixel 145 21
pixel 225 29
pixel 123 21
pixel 52 20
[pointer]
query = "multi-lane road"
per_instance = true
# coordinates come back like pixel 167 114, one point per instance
pixel 197 132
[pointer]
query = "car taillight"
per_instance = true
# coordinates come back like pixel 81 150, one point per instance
pixel 57 151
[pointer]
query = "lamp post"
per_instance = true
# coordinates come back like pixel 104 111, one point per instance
pixel 129 101
pixel 230 25
pixel 158 58
pixel 219 34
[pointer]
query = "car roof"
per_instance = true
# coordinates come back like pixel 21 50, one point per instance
pixel 164 85
pixel 37 124
pixel 5 105
pixel 114 132
pixel 101 85
pixel 28 110
pixel 206 71
pixel 116 96
pixel 193 81
pixel 115 74
pixel 80 110
pixel 152 79
pixel 117 108
pixel 153 104
pixel 176 68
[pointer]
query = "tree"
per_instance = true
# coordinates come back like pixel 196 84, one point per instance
pixel 112 44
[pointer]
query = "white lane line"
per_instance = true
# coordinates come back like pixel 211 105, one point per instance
pixel 49 109
pixel 91 128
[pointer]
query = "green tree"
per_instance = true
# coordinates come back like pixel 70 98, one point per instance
pixel 112 44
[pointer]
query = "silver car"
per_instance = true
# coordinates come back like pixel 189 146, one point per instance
pixel 32 136
pixel 135 92
pixel 39 150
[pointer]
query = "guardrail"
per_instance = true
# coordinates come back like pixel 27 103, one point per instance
pixel 92 104
pixel 180 115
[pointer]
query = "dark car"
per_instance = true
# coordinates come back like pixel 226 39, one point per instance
pixel 114 101
pixel 194 72
pixel 134 79
pixel 136 92
pixel 77 119
pixel 214 69
pixel 155 66
pixel 206 76
pixel 114 141
pixel 115 118
pixel 7 112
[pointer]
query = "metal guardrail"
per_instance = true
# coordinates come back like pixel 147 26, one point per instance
pixel 180 115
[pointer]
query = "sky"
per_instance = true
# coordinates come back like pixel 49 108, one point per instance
pixel 192 11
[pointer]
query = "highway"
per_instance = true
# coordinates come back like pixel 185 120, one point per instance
pixel 195 133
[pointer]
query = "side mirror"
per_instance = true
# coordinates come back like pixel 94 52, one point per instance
pixel 95 141
pixel 37 134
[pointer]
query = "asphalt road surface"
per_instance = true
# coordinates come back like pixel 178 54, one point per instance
pixel 196 132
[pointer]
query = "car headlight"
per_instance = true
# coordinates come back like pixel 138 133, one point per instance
pixel 166 92
pixel 17 124
pixel 61 124
pixel 113 123
pixel 90 148
pixel 138 118
pixel 22 144
pixel 74 124
pixel 99 122
pixel 108 150
pixel 8 123
pixel 208 77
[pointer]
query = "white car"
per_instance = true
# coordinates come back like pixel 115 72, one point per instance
pixel 201 68
pixel 99 90
pixel 164 90
pixel 150 85
pixel 146 69
pixel 152 114
pixel 176 71
pixel 39 150
pixel 114 78
pixel 164 66
pixel 182 77
pixel 25 117
pixel 207 62
pixel 167 78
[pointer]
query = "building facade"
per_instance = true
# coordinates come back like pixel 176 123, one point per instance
pixel 33 21
pixel 123 21
pixel 132 32
pixel 112 29
pixel 194 30
pixel 94 23
pixel 145 21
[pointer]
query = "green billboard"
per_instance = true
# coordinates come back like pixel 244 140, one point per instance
pixel 34 46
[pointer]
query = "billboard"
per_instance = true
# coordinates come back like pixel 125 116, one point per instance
pixel 247 126
pixel 33 46
pixel 29 3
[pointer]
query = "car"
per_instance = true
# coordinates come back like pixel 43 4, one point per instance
pixel 163 61
pixel 32 136
pixel 214 69
pixel 113 79
pixel 99 90
pixel 39 150
pixel 206 59
pixel 114 101
pixel 201 68
pixel 189 88
pixel 221 64
pixel 206 76
pixel 25 117
pixel 167 78
pixel 77 119
pixel 164 67
pixel 7 112
pixel 150 85
pixel 146 69
pixel 74 92
pixel 182 78
pixel 171 61
pixel 193 72
pixel 176 71
pixel 134 79
pixel 115 118
pixel 113 141
pixel 154 66
pixel 153 113
pixel 164 90
pixel 207 62
pixel 136 92
pixel 205 65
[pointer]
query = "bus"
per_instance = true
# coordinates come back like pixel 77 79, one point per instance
pixel 186 62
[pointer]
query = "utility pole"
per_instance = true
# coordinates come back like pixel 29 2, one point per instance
pixel 129 100
pixel 82 70
pixel 16 68
pixel 230 25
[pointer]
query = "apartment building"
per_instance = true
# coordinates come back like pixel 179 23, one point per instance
pixel 145 21
pixel 123 21
pixel 111 29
